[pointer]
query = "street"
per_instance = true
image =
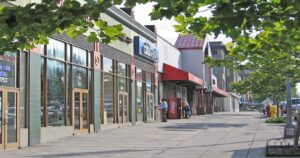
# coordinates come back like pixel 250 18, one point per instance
pixel 221 135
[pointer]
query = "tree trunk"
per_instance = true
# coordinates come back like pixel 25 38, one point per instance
pixel 278 106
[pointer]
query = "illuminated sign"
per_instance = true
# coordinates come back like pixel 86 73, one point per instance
pixel 8 69
pixel 145 49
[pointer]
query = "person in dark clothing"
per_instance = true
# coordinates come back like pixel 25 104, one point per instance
pixel 164 109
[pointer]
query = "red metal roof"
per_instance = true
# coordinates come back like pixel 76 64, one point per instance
pixel 188 42
pixel 219 92
pixel 174 74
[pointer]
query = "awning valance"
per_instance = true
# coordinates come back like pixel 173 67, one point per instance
pixel 174 74
pixel 219 92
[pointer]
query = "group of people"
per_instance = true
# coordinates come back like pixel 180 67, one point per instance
pixel 164 109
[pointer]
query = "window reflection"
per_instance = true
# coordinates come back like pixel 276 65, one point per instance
pixel 107 65
pixel 122 69
pixel 79 56
pixel 108 97
pixel 139 75
pixel 122 84
pixel 56 93
pixel 56 49
pixel 79 77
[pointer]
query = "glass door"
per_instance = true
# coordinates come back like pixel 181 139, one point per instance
pixel 9 118
pixel 80 111
pixel 123 110
pixel 149 107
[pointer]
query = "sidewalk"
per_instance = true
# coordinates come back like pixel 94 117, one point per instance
pixel 222 135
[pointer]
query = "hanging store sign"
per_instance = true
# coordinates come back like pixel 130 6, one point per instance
pixel 145 49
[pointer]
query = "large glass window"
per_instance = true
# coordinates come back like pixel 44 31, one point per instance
pixel 122 69
pixel 122 72
pixel 56 49
pixel 67 69
pixel 79 56
pixel 139 101
pixel 79 77
pixel 108 107
pixel 56 93
pixel 107 65
pixel 139 75
pixel 148 82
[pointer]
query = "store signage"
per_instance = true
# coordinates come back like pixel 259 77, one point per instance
pixel 145 49
pixel 7 69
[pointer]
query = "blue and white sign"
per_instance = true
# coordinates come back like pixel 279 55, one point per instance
pixel 145 49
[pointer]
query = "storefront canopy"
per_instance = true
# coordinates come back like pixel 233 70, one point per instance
pixel 219 92
pixel 180 76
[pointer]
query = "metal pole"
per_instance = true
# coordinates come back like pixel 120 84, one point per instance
pixel 289 128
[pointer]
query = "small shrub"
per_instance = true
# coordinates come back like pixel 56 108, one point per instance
pixel 276 120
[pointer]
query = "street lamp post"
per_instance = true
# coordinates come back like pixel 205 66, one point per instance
pixel 289 127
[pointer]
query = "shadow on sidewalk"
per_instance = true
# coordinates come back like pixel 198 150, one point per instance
pixel 89 153
pixel 197 126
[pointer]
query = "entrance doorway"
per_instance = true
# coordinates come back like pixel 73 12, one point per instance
pixel 149 107
pixel 80 111
pixel 9 118
pixel 123 109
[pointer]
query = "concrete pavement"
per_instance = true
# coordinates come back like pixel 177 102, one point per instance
pixel 221 135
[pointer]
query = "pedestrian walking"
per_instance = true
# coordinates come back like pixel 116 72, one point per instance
pixel 186 108
pixel 164 109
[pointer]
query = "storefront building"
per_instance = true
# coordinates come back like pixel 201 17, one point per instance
pixel 70 86
pixel 194 52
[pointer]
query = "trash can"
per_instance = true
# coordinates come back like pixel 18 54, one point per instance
pixel 273 111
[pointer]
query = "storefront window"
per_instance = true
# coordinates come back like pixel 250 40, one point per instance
pixel 79 56
pixel 56 93
pixel 56 49
pixel 79 77
pixel 108 98
pixel 107 65
pixel 148 87
pixel 139 101
pixel 139 75
pixel 68 52
pixel 148 77
pixel 122 69
pixel 122 84
pixel 8 71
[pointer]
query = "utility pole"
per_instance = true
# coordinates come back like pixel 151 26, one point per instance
pixel 289 127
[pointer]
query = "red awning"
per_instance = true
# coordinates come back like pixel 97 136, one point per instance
pixel 174 74
pixel 219 92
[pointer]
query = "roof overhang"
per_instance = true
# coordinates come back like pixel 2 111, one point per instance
pixel 180 76
pixel 219 92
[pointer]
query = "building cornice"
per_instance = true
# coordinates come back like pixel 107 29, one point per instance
pixel 128 21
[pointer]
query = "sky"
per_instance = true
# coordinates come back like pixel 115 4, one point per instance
pixel 165 27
